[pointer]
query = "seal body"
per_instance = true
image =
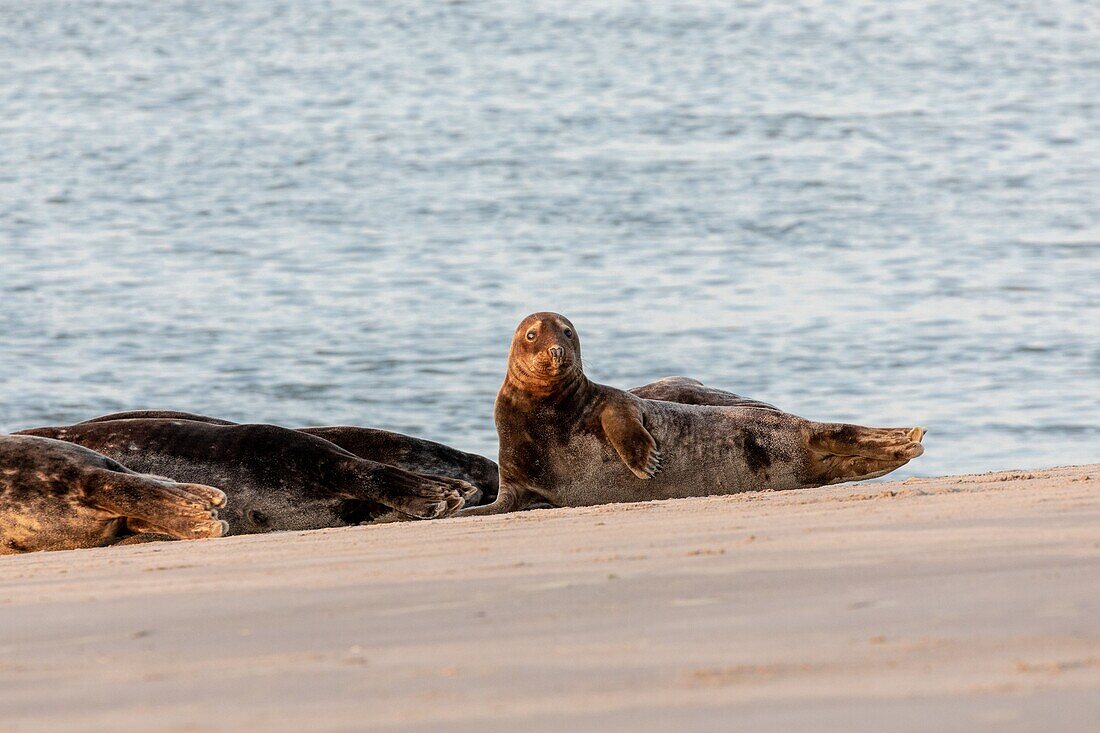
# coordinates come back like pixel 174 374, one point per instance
pixel 275 478
pixel 382 446
pixel 59 496
pixel 703 450
pixel 572 442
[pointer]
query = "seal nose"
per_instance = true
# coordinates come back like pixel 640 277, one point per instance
pixel 556 352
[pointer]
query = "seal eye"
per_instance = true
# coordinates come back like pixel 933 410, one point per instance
pixel 568 333
pixel 530 335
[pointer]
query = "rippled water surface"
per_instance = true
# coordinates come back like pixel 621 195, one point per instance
pixel 322 212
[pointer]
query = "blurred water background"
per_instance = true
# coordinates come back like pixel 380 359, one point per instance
pixel 336 212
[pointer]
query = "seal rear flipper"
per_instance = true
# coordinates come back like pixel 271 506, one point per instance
pixel 842 469
pixel 417 495
pixel 841 453
pixel 184 511
pixel 471 495
pixel 622 424
pixel 882 444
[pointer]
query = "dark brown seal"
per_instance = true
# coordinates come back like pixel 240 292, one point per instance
pixel 59 496
pixel 383 446
pixel 571 442
pixel 275 478
pixel 689 391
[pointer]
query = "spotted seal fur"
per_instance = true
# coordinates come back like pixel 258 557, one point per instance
pixel 58 496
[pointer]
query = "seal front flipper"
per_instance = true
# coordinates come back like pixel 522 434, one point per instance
pixel 416 495
pixel 623 426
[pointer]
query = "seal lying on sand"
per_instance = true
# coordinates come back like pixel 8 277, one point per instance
pixel 572 442
pixel 60 496
pixel 689 391
pixel 393 449
pixel 275 478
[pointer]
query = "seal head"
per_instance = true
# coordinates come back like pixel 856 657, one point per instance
pixel 545 355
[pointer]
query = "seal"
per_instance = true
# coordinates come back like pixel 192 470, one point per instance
pixel 275 478
pixel 382 446
pixel 688 391
pixel 569 441
pixel 59 496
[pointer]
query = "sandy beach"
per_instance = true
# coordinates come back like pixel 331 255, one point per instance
pixel 960 603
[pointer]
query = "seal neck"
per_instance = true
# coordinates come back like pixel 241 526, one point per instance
pixel 539 388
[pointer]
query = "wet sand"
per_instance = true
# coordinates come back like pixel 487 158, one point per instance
pixel 960 603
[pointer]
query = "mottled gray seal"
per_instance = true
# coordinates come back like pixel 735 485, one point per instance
pixel 59 496
pixel 383 446
pixel 275 478
pixel 571 442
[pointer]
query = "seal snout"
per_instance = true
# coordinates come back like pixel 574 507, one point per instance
pixel 557 353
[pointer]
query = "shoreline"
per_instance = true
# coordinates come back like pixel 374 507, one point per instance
pixel 956 602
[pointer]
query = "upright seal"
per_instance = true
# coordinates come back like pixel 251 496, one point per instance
pixel 568 441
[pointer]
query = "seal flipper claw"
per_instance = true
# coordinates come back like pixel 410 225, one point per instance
pixel 654 464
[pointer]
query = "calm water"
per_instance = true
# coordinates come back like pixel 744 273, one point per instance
pixel 322 212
